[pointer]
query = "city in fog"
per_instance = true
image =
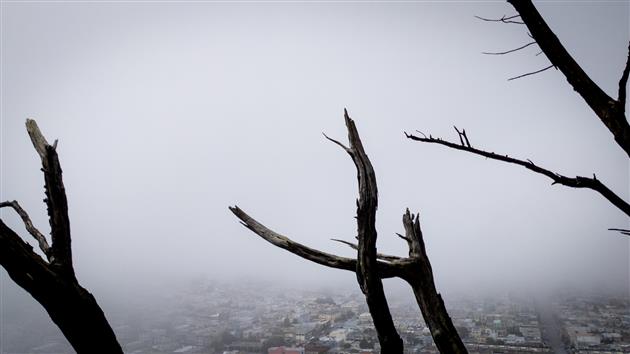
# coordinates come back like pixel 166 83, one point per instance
pixel 166 114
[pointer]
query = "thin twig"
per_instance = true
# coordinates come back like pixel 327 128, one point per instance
pixel 503 19
pixel 531 73
pixel 511 50
pixel 622 231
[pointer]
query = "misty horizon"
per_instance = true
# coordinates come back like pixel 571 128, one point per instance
pixel 166 114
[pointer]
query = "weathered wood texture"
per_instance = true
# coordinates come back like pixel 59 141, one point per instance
pixel 415 269
pixel 370 283
pixel 53 283
pixel 419 275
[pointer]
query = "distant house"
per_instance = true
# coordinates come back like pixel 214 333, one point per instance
pixel 284 350
pixel 315 349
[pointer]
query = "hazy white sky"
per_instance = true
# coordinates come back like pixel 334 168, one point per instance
pixel 168 112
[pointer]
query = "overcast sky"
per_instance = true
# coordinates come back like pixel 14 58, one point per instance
pixel 167 113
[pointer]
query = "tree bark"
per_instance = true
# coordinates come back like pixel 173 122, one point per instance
pixel 367 276
pixel 370 267
pixel 53 284
pixel 419 275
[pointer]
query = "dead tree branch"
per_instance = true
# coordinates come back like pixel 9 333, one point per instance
pixel 531 73
pixel 420 276
pixel 503 19
pixel 415 269
pixel 41 239
pixel 371 285
pixel 56 201
pixel 610 111
pixel 385 270
pixel 623 83
pixel 575 182
pixel 53 284
pixel 511 50
pixel 622 231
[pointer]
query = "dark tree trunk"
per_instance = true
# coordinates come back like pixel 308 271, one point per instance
pixel 367 275
pixel 53 284
pixel 610 111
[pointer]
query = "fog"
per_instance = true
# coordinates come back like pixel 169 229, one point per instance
pixel 168 113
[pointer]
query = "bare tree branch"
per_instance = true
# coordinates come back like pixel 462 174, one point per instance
pixel 611 112
pixel 370 284
pixel 41 239
pixel 511 50
pixel 54 285
pixel 414 236
pixel 381 256
pixel 462 137
pixel 385 270
pixel 623 83
pixel 369 267
pixel 56 200
pixel 420 277
pixel 576 182
pixel 345 148
pixel 37 138
pixel 503 19
pixel 622 231
pixel 531 73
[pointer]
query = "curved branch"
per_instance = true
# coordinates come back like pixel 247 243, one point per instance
pixel 576 182
pixel 385 270
pixel 611 112
pixel 41 239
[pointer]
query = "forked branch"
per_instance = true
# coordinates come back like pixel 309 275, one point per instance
pixel 385 270
pixel 370 266
pixel 622 231
pixel 420 277
pixel 53 284
pixel 575 182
